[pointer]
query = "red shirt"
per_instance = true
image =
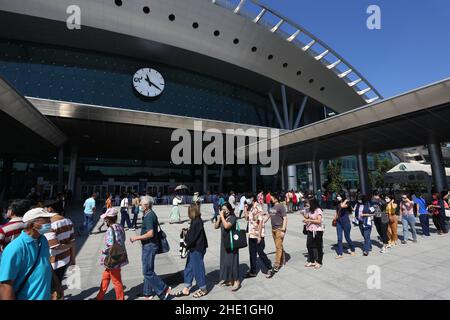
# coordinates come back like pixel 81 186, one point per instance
pixel 268 198
pixel 9 231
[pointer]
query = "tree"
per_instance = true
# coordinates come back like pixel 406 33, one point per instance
pixel 335 180
pixel 382 166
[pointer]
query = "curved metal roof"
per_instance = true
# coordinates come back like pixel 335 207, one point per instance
pixel 200 35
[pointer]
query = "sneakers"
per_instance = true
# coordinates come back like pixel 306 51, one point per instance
pixel 414 240
pixel 132 229
pixel 365 253
pixel 166 293
pixel 383 250
pixel 271 273
pixel 404 242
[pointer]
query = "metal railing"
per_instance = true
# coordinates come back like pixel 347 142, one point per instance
pixel 310 44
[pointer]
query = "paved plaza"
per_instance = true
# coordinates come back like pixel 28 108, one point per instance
pixel 412 271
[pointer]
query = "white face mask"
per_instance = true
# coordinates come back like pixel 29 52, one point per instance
pixel 339 199
pixel 388 200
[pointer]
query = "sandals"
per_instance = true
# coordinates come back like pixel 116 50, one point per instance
pixel 225 284
pixel 180 294
pixel 310 265
pixel 236 288
pixel 200 293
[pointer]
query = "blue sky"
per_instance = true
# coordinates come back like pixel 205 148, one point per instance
pixel 412 48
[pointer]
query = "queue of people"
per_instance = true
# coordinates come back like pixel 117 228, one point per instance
pixel 37 244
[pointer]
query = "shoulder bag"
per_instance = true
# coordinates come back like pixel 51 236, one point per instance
pixel 116 255
pixel 237 238
pixel 163 244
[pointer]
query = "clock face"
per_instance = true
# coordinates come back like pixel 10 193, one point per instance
pixel 148 82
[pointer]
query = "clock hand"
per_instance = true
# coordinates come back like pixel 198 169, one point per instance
pixel 151 83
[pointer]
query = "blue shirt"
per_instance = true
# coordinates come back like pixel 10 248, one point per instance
pixel 89 206
pixel 18 258
pixel 422 205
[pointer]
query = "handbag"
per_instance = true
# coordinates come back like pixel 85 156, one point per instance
pixel 305 231
pixel 334 222
pixel 163 244
pixel 237 238
pixel 116 255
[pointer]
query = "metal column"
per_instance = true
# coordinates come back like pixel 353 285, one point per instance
pixel 292 177
pixel 316 175
pixel 73 170
pixel 61 169
pixel 437 167
pixel 253 178
pixel 363 173
pixel 205 178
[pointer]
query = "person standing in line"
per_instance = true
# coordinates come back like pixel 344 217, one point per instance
pixel 381 220
pixel 12 229
pixel 437 208
pixel 114 234
pixel 124 214
pixel 288 200
pixel 153 285
pixel 25 269
pixel 89 210
pixel 221 201
pixel 108 205
pixel 62 246
pixel 232 200
pixel 268 201
pixel 135 210
pixel 260 198
pixel 314 243
pixel 279 227
pixel 241 205
pixel 422 210
pixel 363 214
pixel 257 219
pixel 175 216
pixel 229 259
pixel 196 244
pixel 391 210
pixel 408 219
pixel 343 225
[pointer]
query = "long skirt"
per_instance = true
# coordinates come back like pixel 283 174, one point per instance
pixel 174 214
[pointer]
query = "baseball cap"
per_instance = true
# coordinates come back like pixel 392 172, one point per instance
pixel 111 212
pixel 36 213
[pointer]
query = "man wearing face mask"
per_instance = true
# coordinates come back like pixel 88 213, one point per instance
pixel 25 270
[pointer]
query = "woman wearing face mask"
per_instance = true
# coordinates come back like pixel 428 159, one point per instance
pixel 391 210
pixel 364 214
pixel 342 219
pixel 381 219
pixel 229 260
pixel 436 208
pixel 115 233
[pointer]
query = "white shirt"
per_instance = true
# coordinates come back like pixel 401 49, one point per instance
pixel 242 202
pixel 232 201
pixel 124 203
pixel 176 201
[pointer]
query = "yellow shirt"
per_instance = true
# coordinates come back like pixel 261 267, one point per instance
pixel 391 208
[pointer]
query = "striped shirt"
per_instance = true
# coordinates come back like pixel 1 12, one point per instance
pixel 9 231
pixel 63 234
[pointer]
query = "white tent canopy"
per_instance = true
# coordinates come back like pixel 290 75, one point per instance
pixel 412 172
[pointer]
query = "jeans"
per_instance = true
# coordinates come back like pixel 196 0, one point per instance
pixel 88 222
pixel 269 206
pixel 344 226
pixel 409 219
pixel 195 268
pixel 314 244
pixel 257 249
pixel 125 217
pixel 152 283
pixel 365 232
pixel 216 213
pixel 425 223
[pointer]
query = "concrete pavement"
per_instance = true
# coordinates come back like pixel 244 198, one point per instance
pixel 412 271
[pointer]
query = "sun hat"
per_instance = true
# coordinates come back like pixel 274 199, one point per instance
pixel 36 213
pixel 111 212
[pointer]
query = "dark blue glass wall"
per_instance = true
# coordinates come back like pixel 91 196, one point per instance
pixel 92 78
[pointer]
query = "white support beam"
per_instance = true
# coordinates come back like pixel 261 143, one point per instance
pixel 354 83
pixel 346 73
pixel 277 26
pixel 369 101
pixel 323 54
pixel 309 45
pixel 334 64
pixel 300 112
pixel 275 110
pixel 239 7
pixel 285 108
pixel 364 91
pixel 260 15
pixel 294 35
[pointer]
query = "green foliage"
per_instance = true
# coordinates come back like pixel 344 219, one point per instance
pixel 335 180
pixel 382 166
